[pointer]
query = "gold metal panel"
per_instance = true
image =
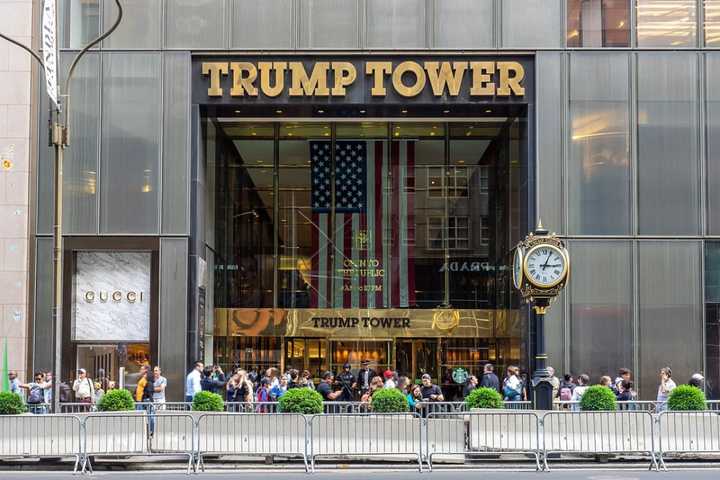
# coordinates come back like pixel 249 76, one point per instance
pixel 368 324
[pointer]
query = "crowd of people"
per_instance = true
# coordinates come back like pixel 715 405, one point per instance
pixel 241 386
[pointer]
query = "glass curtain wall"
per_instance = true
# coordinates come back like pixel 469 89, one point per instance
pixel 598 23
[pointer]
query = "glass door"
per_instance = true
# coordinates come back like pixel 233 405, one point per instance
pixel 307 354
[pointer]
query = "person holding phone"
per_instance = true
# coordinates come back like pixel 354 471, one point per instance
pixel 667 385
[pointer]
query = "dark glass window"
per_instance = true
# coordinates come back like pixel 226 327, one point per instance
pixel 598 23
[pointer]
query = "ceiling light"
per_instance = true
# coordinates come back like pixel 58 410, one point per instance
pixel 446 111
pixel 321 111
pixel 403 110
pixel 278 111
pixel 237 111
pixel 362 112
pixel 488 110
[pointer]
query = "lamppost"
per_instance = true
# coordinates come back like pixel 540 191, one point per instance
pixel 59 140
pixel 541 268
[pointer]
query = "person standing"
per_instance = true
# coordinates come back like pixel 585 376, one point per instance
pixel 47 392
pixel 555 382
pixel 429 391
pixel 36 394
pixel 347 382
pixel 159 386
pixel 211 381
pixel 389 379
pixel 512 385
pixel 583 384
pixel 307 380
pixel 489 379
pixel 470 385
pixel 83 388
pixel 364 377
pixel 324 388
pixel 143 389
pixel 667 385
pixel 193 382
pixel 14 383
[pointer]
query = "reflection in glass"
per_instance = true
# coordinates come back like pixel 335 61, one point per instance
pixel 598 23
pixel 599 167
pixel 666 23
pixel 668 181
pixel 601 322
pixel 712 71
pixel 79 22
pixel 712 23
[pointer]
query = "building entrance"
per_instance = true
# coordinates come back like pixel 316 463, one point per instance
pixel 386 241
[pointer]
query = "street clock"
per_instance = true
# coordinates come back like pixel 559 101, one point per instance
pixel 541 266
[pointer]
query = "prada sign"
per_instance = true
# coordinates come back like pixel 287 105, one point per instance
pixel 273 79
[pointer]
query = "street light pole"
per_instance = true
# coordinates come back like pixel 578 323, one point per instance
pixel 59 139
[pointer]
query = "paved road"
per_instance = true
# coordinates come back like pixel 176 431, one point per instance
pixel 383 474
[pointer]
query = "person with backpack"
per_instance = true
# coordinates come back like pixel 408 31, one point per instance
pixel 583 381
pixel 84 388
pixel 262 396
pixel 36 394
pixel 512 385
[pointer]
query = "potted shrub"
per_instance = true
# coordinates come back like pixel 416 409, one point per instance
pixel 598 399
pixel 389 400
pixel 301 400
pixel 686 398
pixel 484 397
pixel 207 402
pixel 116 401
pixel 11 404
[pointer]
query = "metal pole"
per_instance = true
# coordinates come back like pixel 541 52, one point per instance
pixel 59 143
pixel 543 389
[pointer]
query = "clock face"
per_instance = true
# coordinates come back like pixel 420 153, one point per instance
pixel 545 266
pixel 517 267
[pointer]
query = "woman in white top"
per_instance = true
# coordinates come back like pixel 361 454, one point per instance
pixel 512 385
pixel 578 392
pixel 667 385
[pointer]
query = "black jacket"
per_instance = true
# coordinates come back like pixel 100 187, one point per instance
pixel 490 380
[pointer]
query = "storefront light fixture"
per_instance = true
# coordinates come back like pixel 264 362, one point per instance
pixel 404 110
pixel 278 111
pixel 446 111
pixel 321 111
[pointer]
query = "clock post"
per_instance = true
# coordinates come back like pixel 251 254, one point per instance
pixel 541 268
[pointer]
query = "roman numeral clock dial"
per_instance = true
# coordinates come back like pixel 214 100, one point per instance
pixel 545 266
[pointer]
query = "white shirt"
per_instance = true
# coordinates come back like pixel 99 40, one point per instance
pixel 159 397
pixel 390 383
pixel 192 383
pixel 577 396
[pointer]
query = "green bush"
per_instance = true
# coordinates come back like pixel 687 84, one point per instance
pixel 686 398
pixel 388 400
pixel 208 402
pixel 484 397
pixel 116 401
pixel 301 400
pixel 11 404
pixel 598 399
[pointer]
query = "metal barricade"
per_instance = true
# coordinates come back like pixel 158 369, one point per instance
pixel 41 436
pixel 688 432
pixel 173 434
pixel 624 406
pixel 623 432
pixel 252 407
pixel 114 434
pixel 77 407
pixel 252 434
pixel 339 408
pixel 366 435
pixel 481 432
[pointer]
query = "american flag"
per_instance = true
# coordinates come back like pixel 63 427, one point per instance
pixel 368 262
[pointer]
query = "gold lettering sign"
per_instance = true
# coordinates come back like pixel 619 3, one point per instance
pixel 332 79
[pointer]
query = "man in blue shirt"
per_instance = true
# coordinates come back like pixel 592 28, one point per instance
pixel 192 382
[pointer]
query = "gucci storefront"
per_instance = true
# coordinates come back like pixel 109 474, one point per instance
pixel 365 208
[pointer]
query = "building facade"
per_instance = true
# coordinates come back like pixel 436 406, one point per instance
pixel 312 182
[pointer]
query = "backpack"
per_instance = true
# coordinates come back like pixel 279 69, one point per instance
pixel 565 394
pixel 36 395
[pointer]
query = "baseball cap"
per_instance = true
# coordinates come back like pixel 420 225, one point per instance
pixel 426 377
pixel 81 370
pixel 347 365
pixel 388 374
